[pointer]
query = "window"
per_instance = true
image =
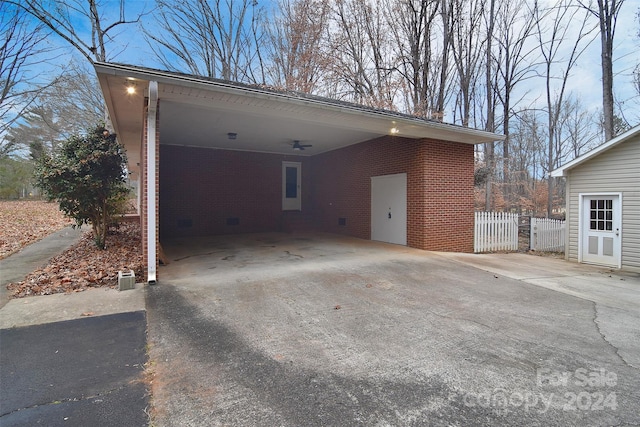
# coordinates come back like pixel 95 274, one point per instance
pixel 601 215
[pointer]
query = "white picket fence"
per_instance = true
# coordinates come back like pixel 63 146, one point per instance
pixel 495 231
pixel 547 235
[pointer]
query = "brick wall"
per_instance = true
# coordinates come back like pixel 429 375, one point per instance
pixel 207 191
pixel 439 187
pixel 449 205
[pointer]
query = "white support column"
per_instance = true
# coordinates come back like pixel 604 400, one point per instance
pixel 151 183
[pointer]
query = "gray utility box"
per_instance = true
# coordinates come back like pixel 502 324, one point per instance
pixel 126 280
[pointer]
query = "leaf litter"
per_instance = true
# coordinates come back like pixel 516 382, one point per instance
pixel 24 222
pixel 84 266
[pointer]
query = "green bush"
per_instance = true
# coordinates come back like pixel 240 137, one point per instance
pixel 87 177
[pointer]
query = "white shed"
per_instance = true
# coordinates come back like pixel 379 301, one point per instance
pixel 603 204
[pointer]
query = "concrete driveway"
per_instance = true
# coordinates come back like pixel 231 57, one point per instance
pixel 274 329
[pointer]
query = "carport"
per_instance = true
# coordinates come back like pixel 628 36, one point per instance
pixel 228 158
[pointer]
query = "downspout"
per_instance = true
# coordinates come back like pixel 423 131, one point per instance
pixel 152 112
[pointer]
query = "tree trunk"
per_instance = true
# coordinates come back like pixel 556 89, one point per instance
pixel 607 17
pixel 490 125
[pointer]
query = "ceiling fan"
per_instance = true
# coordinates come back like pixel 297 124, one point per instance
pixel 300 147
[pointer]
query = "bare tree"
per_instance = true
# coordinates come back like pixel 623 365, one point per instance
pixel 607 14
pixel 62 109
pixel 490 125
pixel 216 38
pixel 21 45
pixel 362 66
pixel 467 46
pixel 514 59
pixel 446 13
pixel 578 131
pixel 296 47
pixel 64 18
pixel 528 141
pixel 560 53
pixel 414 27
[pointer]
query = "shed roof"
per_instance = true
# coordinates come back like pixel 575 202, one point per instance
pixel 562 171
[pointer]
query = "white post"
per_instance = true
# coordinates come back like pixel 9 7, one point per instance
pixel 151 182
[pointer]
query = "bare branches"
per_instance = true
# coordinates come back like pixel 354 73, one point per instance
pixel 219 38
pixel 20 46
pixel 297 45
pixel 62 17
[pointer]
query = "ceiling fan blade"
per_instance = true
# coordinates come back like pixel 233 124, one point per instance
pixel 299 147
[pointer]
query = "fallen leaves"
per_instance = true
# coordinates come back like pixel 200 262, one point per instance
pixel 24 222
pixel 85 266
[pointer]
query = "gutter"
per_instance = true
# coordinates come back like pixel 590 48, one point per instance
pixel 152 113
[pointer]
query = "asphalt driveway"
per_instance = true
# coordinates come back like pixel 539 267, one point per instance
pixel 80 372
pixel 275 329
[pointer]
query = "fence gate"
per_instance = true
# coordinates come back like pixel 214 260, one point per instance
pixel 547 235
pixel 495 231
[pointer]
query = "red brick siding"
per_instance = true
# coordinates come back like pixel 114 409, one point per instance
pixel 439 187
pixel 206 187
pixel 448 215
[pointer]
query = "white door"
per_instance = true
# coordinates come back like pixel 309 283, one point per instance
pixel 291 186
pixel 600 230
pixel 389 208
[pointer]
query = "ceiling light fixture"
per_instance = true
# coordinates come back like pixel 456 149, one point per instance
pixel 130 86
pixel 394 131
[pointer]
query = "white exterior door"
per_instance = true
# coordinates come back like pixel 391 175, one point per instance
pixel 389 208
pixel 291 186
pixel 601 229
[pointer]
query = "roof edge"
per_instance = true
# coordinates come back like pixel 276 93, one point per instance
pixel 144 73
pixel 562 171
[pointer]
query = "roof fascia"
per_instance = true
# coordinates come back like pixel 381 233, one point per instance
pixel 563 170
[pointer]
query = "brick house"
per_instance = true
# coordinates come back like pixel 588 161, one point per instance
pixel 232 158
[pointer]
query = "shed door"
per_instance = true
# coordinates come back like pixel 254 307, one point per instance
pixel 389 208
pixel 601 230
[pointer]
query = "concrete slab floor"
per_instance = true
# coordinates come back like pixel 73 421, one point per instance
pixel 275 329
pixel 59 307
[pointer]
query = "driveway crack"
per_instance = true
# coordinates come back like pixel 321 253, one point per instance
pixel 64 400
pixel 604 337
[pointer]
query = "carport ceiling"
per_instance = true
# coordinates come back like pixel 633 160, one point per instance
pixel 202 112
pixel 269 130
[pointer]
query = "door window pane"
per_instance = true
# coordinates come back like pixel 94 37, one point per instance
pixel 602 210
pixel 291 184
